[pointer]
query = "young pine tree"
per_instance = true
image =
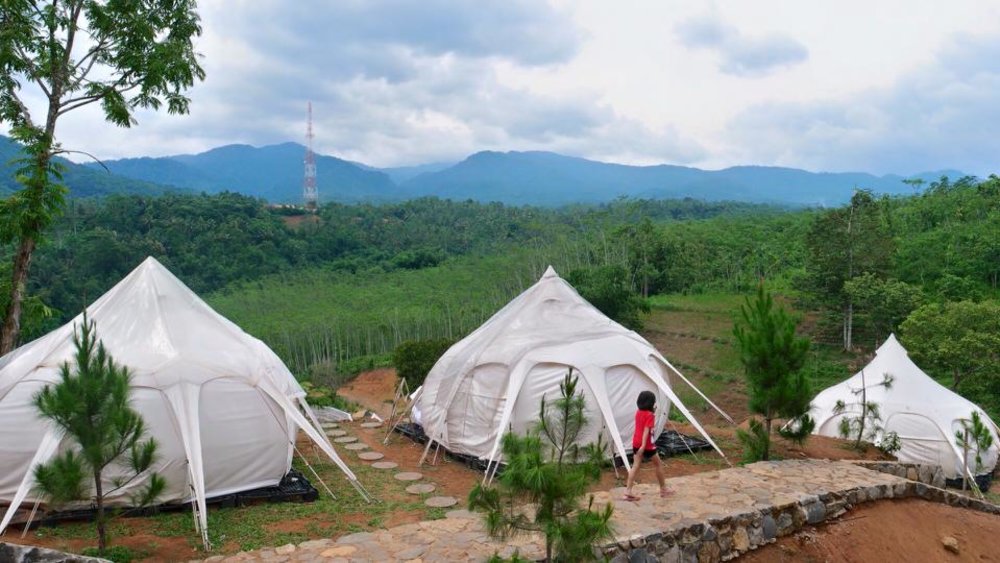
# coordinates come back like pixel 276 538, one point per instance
pixel 90 406
pixel 772 358
pixel 546 476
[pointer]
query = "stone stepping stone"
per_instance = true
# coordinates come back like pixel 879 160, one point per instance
pixel 384 464
pixel 371 424
pixel 329 425
pixel 336 433
pixel 356 446
pixel 441 502
pixel 420 489
pixel 345 439
pixel 408 476
pixel 371 456
pixel 462 513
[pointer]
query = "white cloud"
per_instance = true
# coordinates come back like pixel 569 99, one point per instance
pixel 740 54
pixel 940 116
pixel 857 85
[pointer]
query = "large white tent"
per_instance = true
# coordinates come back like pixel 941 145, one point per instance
pixel 924 413
pixel 222 406
pixel 494 379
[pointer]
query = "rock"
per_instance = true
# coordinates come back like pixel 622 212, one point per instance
pixel 339 551
pixel 770 528
pixel 315 544
pixel 950 543
pixel 412 553
pixel 741 541
pixel 286 549
pixel 911 473
pixel 815 512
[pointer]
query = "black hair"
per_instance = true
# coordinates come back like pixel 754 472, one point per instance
pixel 646 401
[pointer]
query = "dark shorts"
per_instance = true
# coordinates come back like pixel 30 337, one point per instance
pixel 648 454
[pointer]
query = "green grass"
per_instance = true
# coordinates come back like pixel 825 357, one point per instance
pixel 271 524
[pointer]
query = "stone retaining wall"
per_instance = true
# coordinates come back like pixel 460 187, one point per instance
pixel 15 553
pixel 726 538
pixel 926 474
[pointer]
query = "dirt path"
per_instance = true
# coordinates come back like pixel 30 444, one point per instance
pixel 890 531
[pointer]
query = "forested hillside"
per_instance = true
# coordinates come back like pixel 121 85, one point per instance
pixel 355 280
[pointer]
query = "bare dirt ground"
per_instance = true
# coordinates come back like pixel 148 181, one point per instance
pixel 889 531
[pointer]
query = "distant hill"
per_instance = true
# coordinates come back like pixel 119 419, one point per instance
pixel 544 178
pixel 272 172
pixel 82 181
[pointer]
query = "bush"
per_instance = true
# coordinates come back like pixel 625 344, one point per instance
pixel 414 358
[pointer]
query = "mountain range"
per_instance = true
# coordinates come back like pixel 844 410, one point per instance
pixel 521 178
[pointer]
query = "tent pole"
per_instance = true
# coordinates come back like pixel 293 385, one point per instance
pixel 316 475
pixel 427 448
pixel 31 517
pixel 690 451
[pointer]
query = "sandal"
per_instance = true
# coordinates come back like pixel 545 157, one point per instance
pixel 630 498
pixel 666 493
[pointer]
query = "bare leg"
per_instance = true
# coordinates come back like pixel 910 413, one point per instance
pixel 632 473
pixel 661 477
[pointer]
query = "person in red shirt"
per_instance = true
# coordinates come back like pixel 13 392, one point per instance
pixel 644 445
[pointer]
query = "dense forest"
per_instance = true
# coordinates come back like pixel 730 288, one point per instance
pixel 353 281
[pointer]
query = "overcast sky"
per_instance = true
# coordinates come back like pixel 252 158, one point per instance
pixel 881 86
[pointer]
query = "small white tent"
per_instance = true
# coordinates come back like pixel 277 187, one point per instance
pixel 222 406
pixel 924 413
pixel 494 379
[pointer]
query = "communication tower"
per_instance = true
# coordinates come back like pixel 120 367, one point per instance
pixel 309 193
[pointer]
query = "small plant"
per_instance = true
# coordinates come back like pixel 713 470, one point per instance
pixel 546 476
pixel 866 425
pixel 798 430
pixel 772 357
pixel 90 406
pixel 890 443
pixel 756 442
pixel 974 437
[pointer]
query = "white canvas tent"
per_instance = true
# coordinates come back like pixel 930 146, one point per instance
pixel 494 379
pixel 222 406
pixel 924 413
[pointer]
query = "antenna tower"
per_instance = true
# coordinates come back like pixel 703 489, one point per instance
pixel 309 193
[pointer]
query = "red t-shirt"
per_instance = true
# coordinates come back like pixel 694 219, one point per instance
pixel 643 420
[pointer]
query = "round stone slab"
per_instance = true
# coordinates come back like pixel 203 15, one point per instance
pixel 420 489
pixel 441 502
pixel 336 433
pixel 356 446
pixel 370 456
pixel 383 464
pixel 329 425
pixel 371 424
pixel 408 476
pixel 345 439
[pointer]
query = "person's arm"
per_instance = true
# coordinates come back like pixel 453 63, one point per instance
pixel 645 439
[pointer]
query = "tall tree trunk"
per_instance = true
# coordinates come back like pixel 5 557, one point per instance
pixel 102 533
pixel 19 280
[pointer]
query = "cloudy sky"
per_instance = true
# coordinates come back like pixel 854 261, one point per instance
pixel 886 86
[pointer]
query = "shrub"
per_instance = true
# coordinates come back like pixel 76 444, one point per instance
pixel 414 358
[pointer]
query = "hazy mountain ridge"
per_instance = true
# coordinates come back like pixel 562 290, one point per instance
pixel 82 181
pixel 275 173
